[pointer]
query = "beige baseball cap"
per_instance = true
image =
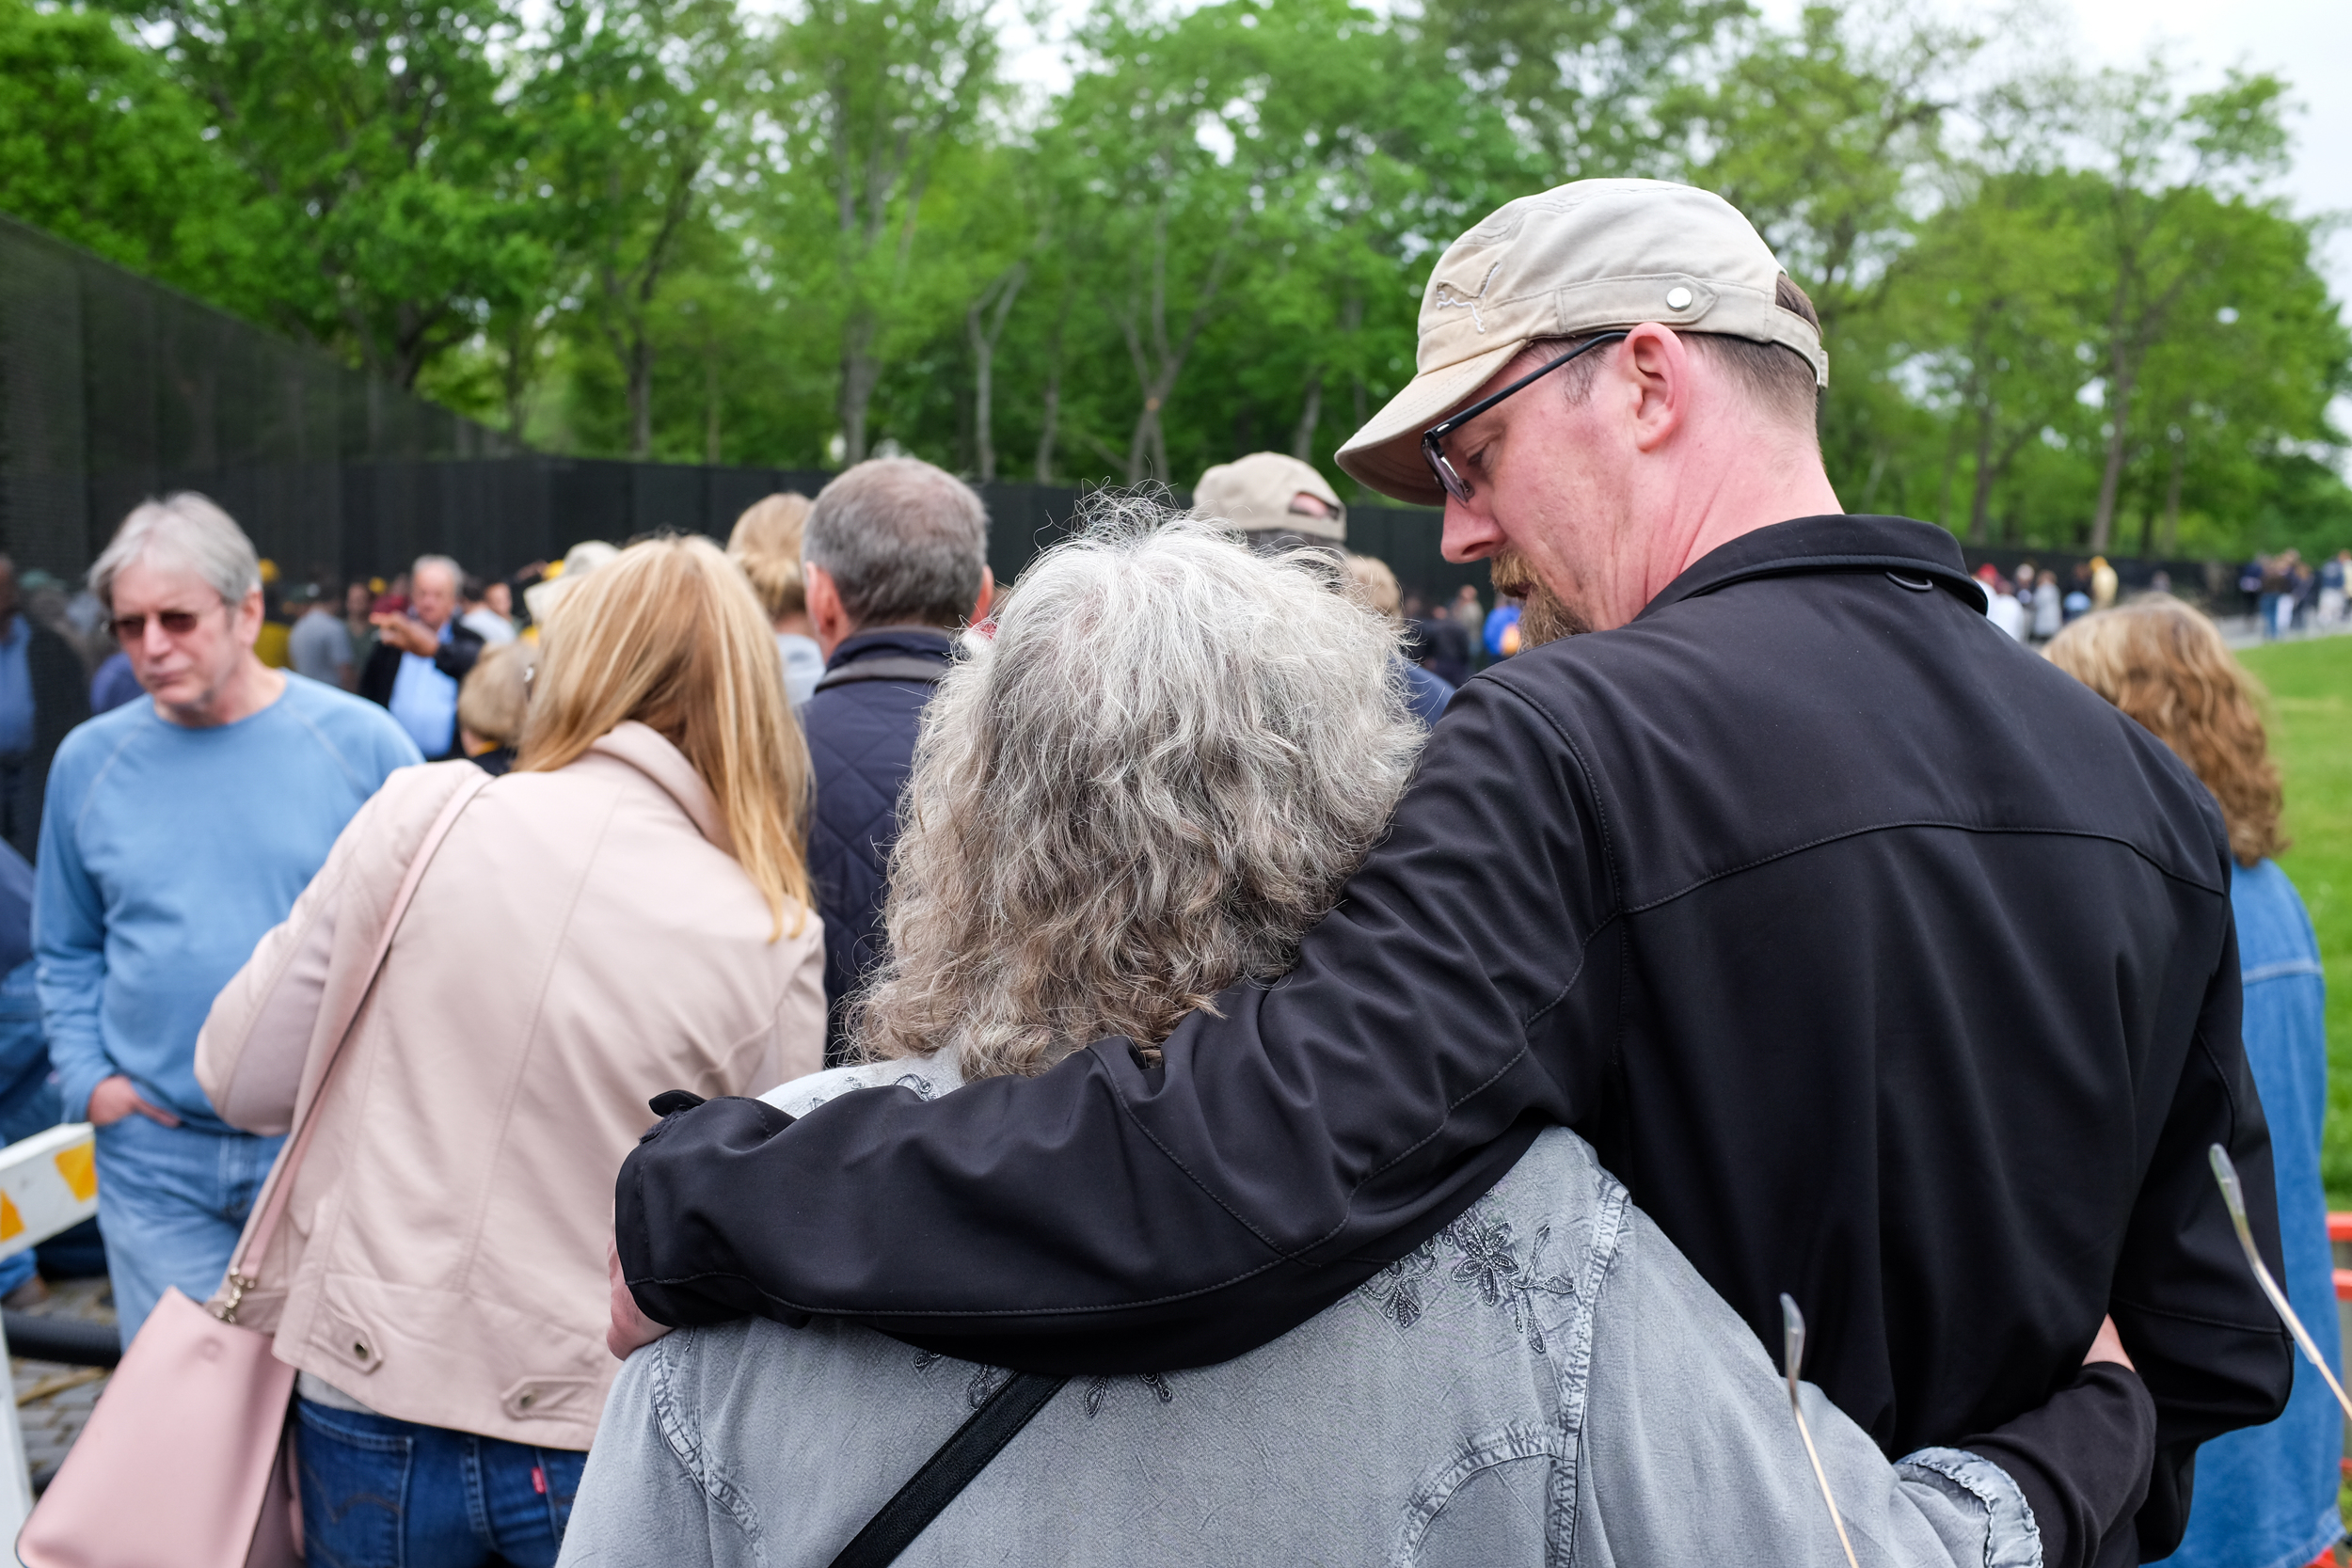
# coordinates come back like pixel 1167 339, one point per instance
pixel 1255 493
pixel 1579 259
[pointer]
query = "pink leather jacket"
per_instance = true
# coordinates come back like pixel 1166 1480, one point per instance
pixel 583 939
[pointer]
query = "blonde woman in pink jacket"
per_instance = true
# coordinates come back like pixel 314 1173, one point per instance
pixel 628 912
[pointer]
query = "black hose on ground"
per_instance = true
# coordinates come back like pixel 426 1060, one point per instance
pixel 69 1340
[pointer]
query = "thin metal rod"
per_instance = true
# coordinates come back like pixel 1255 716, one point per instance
pixel 1792 1344
pixel 2234 1196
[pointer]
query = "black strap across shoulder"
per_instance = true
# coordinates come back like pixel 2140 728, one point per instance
pixel 946 1473
pixel 884 667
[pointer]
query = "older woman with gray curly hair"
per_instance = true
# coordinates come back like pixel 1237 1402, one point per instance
pixel 1145 788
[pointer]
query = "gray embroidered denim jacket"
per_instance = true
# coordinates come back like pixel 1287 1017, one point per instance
pixel 1545 1382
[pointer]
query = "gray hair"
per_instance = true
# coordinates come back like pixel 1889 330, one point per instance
pixel 442 564
pixel 1145 787
pixel 183 532
pixel 905 543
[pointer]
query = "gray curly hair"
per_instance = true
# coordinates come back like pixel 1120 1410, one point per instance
pixel 1148 785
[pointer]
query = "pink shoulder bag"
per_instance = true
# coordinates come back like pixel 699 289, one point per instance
pixel 186 1461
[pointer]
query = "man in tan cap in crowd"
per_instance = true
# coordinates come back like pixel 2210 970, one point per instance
pixel 1279 504
pixel 1771 886
pixel 1277 501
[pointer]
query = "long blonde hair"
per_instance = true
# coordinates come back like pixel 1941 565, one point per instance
pixel 2166 666
pixel 667 634
pixel 766 543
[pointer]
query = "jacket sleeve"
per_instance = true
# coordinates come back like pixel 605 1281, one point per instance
pixel 455 657
pixel 1293 1139
pixel 2206 1343
pixel 2082 1462
pixel 1685 1443
pixel 70 943
pixel 250 1053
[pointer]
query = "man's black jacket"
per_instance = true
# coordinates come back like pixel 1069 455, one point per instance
pixel 1888 967
pixel 454 659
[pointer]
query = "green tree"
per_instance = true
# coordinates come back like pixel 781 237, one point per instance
pixel 1983 301
pixel 867 97
pixel 101 145
pixel 378 135
pixel 2161 158
pixel 628 103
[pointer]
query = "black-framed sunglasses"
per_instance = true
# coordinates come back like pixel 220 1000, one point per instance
pixel 1433 439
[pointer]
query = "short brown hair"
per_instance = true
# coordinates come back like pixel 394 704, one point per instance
pixel 766 543
pixel 2166 666
pixel 1775 378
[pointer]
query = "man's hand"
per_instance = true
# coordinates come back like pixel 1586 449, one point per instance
pixel 115 1098
pixel 2109 1346
pixel 409 636
pixel 631 1328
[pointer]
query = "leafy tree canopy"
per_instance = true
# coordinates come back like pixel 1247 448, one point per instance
pixel 2064 308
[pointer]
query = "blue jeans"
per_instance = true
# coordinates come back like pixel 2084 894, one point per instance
pixel 378 1493
pixel 172 1201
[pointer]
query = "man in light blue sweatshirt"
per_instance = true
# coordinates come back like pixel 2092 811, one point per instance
pixel 176 831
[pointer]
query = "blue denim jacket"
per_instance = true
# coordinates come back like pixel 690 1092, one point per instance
pixel 2265 1498
pixel 1545 1380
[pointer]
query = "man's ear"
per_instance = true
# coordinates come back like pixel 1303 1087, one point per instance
pixel 827 616
pixel 1655 369
pixel 988 596
pixel 247 620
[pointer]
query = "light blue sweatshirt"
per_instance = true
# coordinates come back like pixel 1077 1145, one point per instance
pixel 166 853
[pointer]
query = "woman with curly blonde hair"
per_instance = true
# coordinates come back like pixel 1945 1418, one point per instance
pixel 2267 1494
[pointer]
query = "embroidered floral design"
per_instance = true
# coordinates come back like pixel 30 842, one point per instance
pixel 1477 1250
pixel 923 1087
pixel 987 1380
pixel 1099 1386
pixel 1396 1291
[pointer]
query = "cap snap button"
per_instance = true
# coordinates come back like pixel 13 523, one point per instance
pixel 1677 298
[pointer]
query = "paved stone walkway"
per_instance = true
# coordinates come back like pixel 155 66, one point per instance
pixel 53 1400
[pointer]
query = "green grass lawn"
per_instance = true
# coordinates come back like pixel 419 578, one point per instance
pixel 2311 694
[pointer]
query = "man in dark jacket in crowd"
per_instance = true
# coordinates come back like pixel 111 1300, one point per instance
pixel 1774 885
pixel 422 657
pixel 42 696
pixel 894 558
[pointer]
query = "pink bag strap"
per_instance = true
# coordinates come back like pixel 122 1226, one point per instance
pixel 278 1189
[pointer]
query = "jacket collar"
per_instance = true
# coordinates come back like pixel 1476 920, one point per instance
pixel 646 749
pixel 917 640
pixel 1839 542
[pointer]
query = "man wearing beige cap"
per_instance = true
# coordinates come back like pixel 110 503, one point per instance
pixel 1276 501
pixel 1771 886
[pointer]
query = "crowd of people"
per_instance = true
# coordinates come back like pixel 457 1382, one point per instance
pixel 1204 1056
pixel 2289 595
